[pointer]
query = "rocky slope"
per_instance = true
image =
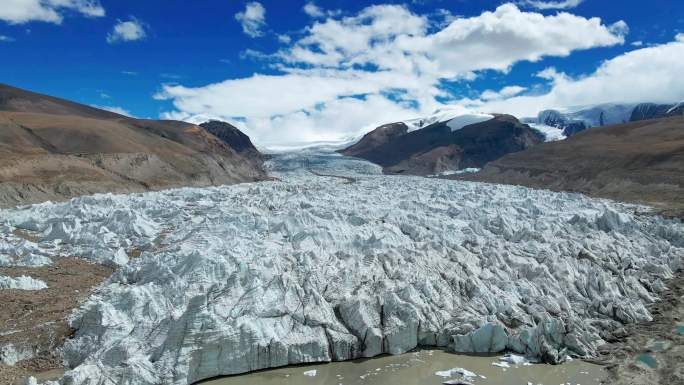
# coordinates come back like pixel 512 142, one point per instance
pixel 312 269
pixel 638 162
pixel 53 149
pixel 454 144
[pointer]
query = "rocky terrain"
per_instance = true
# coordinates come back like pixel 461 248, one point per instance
pixel 635 162
pixel 238 278
pixel 446 145
pixel 53 149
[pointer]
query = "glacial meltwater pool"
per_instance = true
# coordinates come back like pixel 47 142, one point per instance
pixel 420 368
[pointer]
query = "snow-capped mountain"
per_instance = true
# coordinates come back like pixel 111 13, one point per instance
pixel 448 140
pixel 575 119
pixel 455 117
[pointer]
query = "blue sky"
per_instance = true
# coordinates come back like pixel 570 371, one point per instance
pixel 196 60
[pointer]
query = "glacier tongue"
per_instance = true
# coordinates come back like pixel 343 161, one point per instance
pixel 313 269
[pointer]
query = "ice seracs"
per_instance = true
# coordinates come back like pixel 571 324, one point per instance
pixel 21 283
pixel 312 269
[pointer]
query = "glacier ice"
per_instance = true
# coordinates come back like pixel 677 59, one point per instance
pixel 21 283
pixel 310 269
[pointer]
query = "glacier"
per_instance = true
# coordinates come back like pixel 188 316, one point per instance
pixel 334 261
pixel 21 283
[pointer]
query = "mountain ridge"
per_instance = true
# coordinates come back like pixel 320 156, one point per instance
pixel 55 149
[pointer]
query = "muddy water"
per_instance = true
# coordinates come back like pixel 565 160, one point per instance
pixel 419 368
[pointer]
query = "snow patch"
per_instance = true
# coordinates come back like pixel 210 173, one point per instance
pixel 456 117
pixel 459 122
pixel 468 170
pixel 551 134
pixel 675 107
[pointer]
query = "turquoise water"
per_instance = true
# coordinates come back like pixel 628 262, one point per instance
pixel 648 360
pixel 680 329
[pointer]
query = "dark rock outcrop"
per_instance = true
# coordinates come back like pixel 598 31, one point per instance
pixel 230 135
pixel 436 148
pixel 645 111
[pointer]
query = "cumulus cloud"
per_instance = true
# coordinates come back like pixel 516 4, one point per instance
pixel 51 11
pixel 348 74
pixel 653 73
pixel 504 93
pixel 544 5
pixel 313 10
pixel 252 19
pixel 125 31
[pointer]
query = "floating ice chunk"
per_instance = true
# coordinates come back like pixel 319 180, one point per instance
pixel 501 364
pixel 455 371
pixel 514 359
pixel 311 373
pixel 22 283
pixel 457 382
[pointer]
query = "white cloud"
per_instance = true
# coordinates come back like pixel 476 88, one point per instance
pixel 252 19
pixel 116 110
pixel 503 93
pixel 393 38
pixel 349 74
pixel 650 74
pixel 317 12
pixel 544 5
pixel 124 31
pixel 6 39
pixel 285 39
pixel 313 10
pixel 51 11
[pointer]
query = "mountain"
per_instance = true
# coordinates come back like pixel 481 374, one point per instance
pixel 465 141
pixel 54 149
pixel 574 120
pixel 646 111
pixel 635 162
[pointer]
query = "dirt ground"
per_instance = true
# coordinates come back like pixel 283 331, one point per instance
pixel 37 319
pixel 652 353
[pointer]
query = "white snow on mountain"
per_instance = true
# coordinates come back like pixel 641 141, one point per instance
pixel 551 134
pixel 592 116
pixel 675 107
pixel 314 268
pixel 456 117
